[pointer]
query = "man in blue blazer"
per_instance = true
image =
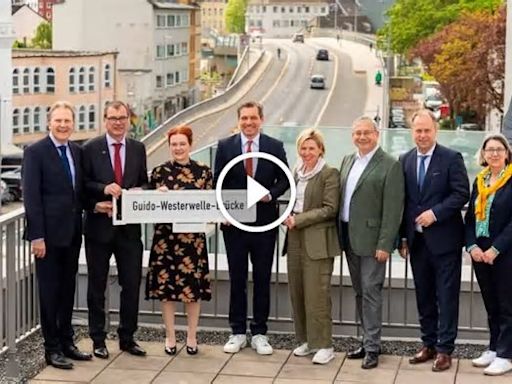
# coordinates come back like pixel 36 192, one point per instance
pixel 113 162
pixel 239 244
pixel 432 231
pixel 52 196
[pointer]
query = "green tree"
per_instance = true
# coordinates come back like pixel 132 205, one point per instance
pixel 43 37
pixel 235 16
pixel 410 21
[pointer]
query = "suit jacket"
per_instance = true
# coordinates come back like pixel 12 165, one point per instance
pixel 53 207
pixel 267 174
pixel 376 206
pixel 98 173
pixel 317 222
pixel 445 191
pixel 500 219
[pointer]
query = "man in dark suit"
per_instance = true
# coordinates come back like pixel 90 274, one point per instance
pixel 432 231
pixel 52 192
pixel 239 244
pixel 113 162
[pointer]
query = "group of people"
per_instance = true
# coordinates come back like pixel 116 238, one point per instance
pixel 372 205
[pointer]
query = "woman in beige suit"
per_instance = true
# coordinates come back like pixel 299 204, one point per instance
pixel 312 245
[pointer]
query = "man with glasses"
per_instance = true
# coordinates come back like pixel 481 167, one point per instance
pixel 432 231
pixel 372 197
pixel 113 162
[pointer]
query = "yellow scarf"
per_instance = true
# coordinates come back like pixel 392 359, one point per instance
pixel 484 192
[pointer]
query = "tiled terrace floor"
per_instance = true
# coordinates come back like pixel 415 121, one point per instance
pixel 212 365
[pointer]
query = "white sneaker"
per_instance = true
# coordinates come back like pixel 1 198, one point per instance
pixel 484 360
pixel 323 356
pixel 261 345
pixel 235 343
pixel 499 366
pixel 304 350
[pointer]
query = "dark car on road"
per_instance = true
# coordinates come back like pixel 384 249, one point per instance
pixel 322 54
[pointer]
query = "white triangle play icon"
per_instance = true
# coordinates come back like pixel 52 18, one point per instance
pixel 255 191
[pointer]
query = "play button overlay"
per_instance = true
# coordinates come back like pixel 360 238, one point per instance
pixel 255 191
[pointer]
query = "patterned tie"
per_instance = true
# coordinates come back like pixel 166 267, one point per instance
pixel 421 172
pixel 65 162
pixel 118 169
pixel 249 162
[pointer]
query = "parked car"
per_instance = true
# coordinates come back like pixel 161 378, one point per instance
pixel 322 54
pixel 470 127
pixel 317 82
pixel 433 102
pixel 298 38
pixel 12 179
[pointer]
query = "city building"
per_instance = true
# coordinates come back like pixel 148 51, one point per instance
pixel 283 18
pixel 212 16
pixel 25 20
pixel 158 44
pixel 31 3
pixel 41 77
pixel 45 8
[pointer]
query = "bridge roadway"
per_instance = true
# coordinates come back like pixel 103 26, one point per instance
pixel 284 91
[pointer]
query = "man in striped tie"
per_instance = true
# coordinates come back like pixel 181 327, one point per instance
pixel 52 189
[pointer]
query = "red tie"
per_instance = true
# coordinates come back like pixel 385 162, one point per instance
pixel 249 162
pixel 118 169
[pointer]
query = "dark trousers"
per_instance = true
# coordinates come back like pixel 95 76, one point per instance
pixel 495 283
pixel 56 275
pixel 128 255
pixel 260 247
pixel 437 283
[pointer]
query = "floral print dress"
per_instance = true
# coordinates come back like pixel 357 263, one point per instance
pixel 178 262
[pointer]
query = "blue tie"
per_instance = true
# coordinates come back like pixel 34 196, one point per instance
pixel 421 172
pixel 65 161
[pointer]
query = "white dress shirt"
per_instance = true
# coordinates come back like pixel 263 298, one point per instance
pixel 111 150
pixel 360 163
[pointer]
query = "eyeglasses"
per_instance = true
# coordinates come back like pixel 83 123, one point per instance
pixel 114 119
pixel 498 151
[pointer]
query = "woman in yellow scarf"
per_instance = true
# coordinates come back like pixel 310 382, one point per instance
pixel 489 242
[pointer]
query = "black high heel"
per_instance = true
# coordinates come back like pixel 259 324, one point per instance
pixel 192 350
pixel 170 350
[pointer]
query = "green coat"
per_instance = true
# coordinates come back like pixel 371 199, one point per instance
pixel 376 205
pixel 317 222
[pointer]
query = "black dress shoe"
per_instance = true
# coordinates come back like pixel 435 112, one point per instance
pixel 133 349
pixel 75 354
pixel 58 360
pixel 170 350
pixel 101 352
pixel 358 353
pixel 192 350
pixel 371 360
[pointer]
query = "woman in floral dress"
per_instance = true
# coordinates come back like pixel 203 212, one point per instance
pixel 178 263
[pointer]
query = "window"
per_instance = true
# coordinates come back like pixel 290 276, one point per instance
pixel 26 120
pixel 322 10
pixel 15 121
pixel 184 48
pixel 275 23
pixel 185 20
pixel 81 118
pixel 36 118
pixel 169 80
pixel 92 79
pixel 81 79
pixel 26 80
pixel 283 9
pixel 306 9
pixel 106 76
pixel 178 20
pixel 291 9
pixel 160 21
pixel 299 9
pixel 177 49
pixel 184 75
pixel 92 117
pixel 275 9
pixel 72 75
pixel 170 50
pixel 160 51
pixel 170 20
pixel 50 80
pixel 36 80
pixel 177 77
pixel 158 81
pixel 15 81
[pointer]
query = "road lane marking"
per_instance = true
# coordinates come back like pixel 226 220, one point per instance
pixel 331 91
